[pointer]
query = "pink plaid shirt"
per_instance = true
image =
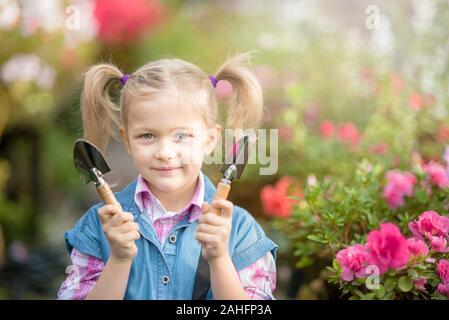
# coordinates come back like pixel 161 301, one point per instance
pixel 258 279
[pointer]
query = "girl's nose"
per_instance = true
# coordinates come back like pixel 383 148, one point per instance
pixel 166 151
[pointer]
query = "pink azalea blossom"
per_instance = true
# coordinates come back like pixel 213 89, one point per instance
pixel 443 134
pixel 437 174
pixel 443 270
pixel 348 133
pixel 439 244
pixel 416 101
pixel 430 224
pixel 223 90
pixel 420 283
pixel 413 227
pixel 443 288
pixel 286 133
pixel 399 185
pixel 417 247
pixel 275 200
pixel 387 248
pixel 379 149
pixel 352 259
pixel 327 129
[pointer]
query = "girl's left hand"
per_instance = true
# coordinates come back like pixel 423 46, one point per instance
pixel 213 230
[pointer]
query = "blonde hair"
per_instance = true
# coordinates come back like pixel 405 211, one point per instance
pixel 105 100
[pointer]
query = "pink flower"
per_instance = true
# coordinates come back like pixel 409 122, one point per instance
pixel 443 273
pixel 122 21
pixel 352 259
pixel 312 180
pixel 420 283
pixel 399 184
pixel 416 101
pixel 413 227
pixel 430 224
pixel 437 174
pixel 286 133
pixel 387 248
pixel 443 270
pixel 223 90
pixel 327 129
pixel 417 247
pixel 443 134
pixel 380 148
pixel 439 244
pixel 275 200
pixel 348 133
pixel 443 288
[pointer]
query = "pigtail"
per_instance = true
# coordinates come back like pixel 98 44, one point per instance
pixel 100 104
pixel 246 103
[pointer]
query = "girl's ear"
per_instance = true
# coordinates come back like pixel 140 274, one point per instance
pixel 124 136
pixel 212 136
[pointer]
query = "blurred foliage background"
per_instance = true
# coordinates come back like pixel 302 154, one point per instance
pixel 343 80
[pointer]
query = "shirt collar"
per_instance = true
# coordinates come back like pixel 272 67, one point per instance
pixel 143 192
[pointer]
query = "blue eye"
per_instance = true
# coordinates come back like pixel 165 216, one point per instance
pixel 147 136
pixel 182 136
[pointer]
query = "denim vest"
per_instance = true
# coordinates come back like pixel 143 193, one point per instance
pixel 167 271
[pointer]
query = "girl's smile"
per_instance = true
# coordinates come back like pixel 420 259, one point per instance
pixel 167 170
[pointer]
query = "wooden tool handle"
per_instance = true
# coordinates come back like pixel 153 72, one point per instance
pixel 108 196
pixel 222 193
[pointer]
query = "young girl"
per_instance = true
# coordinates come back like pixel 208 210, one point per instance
pixel 166 114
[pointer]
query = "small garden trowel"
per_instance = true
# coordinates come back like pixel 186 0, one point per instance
pixel 232 168
pixel 91 164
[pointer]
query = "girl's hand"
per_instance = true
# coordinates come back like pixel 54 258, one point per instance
pixel 213 230
pixel 121 232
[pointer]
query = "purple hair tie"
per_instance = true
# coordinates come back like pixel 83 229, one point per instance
pixel 124 78
pixel 213 80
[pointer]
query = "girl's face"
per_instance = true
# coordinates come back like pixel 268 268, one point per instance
pixel 167 142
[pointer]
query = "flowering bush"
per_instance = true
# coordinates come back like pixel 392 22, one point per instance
pixel 385 232
pixel 406 267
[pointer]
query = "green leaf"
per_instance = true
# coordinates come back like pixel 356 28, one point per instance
pixel 357 292
pixel 368 296
pixel 405 283
pixel 380 292
pixel 316 238
pixel 294 93
pixel 389 296
pixel 422 196
pixel 413 273
pixel 336 264
pixel 331 269
pixel 390 284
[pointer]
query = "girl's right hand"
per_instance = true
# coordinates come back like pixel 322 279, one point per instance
pixel 121 232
